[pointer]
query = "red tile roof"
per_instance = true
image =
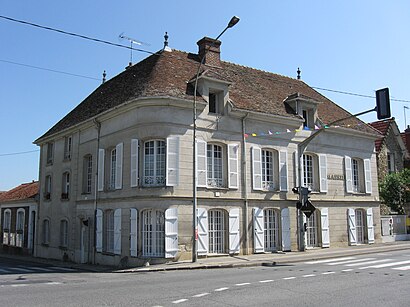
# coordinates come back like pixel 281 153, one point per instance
pixel 23 191
pixel 383 127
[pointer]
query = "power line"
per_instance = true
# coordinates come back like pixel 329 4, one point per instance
pixel 19 153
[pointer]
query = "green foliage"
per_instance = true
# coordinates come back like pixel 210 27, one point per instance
pixel 395 190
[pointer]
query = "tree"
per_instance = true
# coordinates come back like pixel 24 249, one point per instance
pixel 394 190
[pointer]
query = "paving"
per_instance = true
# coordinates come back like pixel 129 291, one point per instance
pixel 265 259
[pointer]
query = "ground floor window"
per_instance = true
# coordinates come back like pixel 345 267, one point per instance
pixel 271 230
pixel 360 226
pixel 217 231
pixel 153 233
pixel 6 226
pixel 312 231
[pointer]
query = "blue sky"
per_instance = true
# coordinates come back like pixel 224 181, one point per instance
pixel 351 46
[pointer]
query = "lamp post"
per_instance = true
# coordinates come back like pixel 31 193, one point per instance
pixel 234 20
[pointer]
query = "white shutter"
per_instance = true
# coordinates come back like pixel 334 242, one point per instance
pixel 171 232
pixel 285 218
pixel 324 217
pixel 98 230
pixel 201 163
pixel 283 170
pixel 134 163
pixel 234 235
pixel 133 232
pixel 101 154
pixel 233 181
pixel 351 217
pixel 203 239
pixel 323 173
pixel 118 166
pixel 368 175
pixel 257 168
pixel 117 231
pixel 296 170
pixel 348 174
pixel 258 234
pixel 370 226
pixel 172 161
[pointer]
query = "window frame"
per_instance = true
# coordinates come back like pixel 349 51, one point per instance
pixel 87 173
pixel 154 172
pixel 68 145
pixel 113 168
pixel 273 184
pixel 153 233
pixel 308 167
pixel 48 187
pixel 108 231
pixel 6 230
pixel 64 233
pixel 358 180
pixel 50 153
pixel 66 181
pixel 215 176
pixel 215 102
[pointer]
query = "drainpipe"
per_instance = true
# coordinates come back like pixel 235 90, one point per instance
pixel 245 185
pixel 98 126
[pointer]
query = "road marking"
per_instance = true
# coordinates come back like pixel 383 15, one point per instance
pixel 39 268
pixel 200 295
pixel 243 284
pixel 327 273
pixel 19 285
pixel 384 254
pixel 347 270
pixel 62 269
pixel 4 271
pixel 179 301
pixel 378 266
pixel 369 262
pixel 221 289
pixel 53 283
pixel 288 278
pixel 329 260
pixel 267 280
pixel 403 268
pixel 309 275
pixel 351 261
pixel 21 270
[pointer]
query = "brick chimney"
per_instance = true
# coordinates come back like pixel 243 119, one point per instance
pixel 211 48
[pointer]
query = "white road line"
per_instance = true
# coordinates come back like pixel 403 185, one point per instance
pixel 347 270
pixel 53 283
pixel 327 273
pixel 62 269
pixel 329 260
pixel 200 295
pixel 221 289
pixel 39 268
pixel 179 301
pixel 379 266
pixel 369 262
pixel 351 261
pixel 19 285
pixel 4 271
pixel 267 280
pixel 403 268
pixel 309 275
pixel 21 270
pixel 288 278
pixel 384 254
pixel 243 284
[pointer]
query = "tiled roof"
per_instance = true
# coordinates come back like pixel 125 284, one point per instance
pixel 169 73
pixel 383 127
pixel 21 192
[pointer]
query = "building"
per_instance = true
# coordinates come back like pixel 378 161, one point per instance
pixel 18 210
pixel 116 173
pixel 406 139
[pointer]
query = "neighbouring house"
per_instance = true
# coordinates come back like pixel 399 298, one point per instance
pixel 405 136
pixel 116 173
pixel 18 210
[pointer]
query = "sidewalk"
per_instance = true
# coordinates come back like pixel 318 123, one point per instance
pixel 232 261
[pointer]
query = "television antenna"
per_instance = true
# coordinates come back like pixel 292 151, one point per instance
pixel 131 41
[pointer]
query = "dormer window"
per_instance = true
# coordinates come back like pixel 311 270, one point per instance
pixel 305 107
pixel 308 116
pixel 215 103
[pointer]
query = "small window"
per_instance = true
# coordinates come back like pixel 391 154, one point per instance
pixel 47 189
pixel 87 174
pixel 390 163
pixel 66 186
pixel 46 231
pixel 307 115
pixel 215 103
pixel 64 233
pixel 50 153
pixel 67 147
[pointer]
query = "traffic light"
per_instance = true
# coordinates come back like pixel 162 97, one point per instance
pixel 383 103
pixel 295 190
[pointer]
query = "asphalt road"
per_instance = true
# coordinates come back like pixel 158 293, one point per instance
pixel 367 280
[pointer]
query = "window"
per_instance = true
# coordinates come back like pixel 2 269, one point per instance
pixel 213 103
pixel 46 231
pixel 6 226
pixel 154 163
pixel 312 230
pixel 113 167
pixel 67 147
pixel 64 233
pixel 88 174
pixel 360 226
pixel 308 171
pixel 390 163
pixel 66 186
pixel 20 227
pixel 357 176
pixel 109 231
pixel 47 189
pixel 271 230
pixel 153 233
pixel 214 165
pixel 50 153
pixel 267 170
pixel 217 231
pixel 308 116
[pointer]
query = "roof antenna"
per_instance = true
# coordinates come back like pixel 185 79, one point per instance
pixel 298 71
pixel 104 75
pixel 166 47
pixel 132 41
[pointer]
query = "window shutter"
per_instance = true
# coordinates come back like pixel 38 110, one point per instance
pixel 171 232
pixel 296 170
pixel 98 230
pixel 101 154
pixel 324 217
pixel 234 234
pixel 351 216
pixel 283 170
pixel 203 239
pixel 323 173
pixel 368 175
pixel 370 226
pixel 286 246
pixel 133 232
pixel 257 168
pixel 117 231
pixel 172 161
pixel 201 163
pixel 118 170
pixel 258 234
pixel 134 163
pixel 348 174
pixel 233 181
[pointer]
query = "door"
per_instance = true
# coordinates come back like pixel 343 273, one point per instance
pixel 271 230
pixel 311 231
pixel 360 226
pixel 217 231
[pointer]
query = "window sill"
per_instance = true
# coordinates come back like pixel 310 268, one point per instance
pixel 216 188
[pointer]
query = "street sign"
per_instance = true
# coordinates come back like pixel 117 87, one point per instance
pixel 308 208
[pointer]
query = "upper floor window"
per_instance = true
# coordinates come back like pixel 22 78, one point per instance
pixel 87 173
pixel 67 147
pixel 154 163
pixel 268 173
pixel 47 187
pixel 358 175
pixel 66 186
pixel 215 165
pixel 113 168
pixel 50 153
pixel 215 103
pixel 314 172
pixel 390 163
pixel 308 171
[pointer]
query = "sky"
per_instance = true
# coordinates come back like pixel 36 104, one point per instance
pixel 350 46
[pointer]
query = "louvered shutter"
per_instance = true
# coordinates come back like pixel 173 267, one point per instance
pixel 323 173
pixel 98 230
pixel 101 154
pixel 258 234
pixel 117 231
pixel 283 170
pixel 201 164
pixel 171 232
pixel 351 217
pixel 285 218
pixel 368 175
pixel 134 163
pixel 257 168
pixel 172 161
pixel 233 180
pixel 348 174
pixel 370 226
pixel 203 239
pixel 118 166
pixel 324 217
pixel 234 235
pixel 133 232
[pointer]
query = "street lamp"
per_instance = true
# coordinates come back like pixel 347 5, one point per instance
pixel 234 20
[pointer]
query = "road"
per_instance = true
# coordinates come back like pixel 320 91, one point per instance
pixel 380 279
